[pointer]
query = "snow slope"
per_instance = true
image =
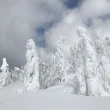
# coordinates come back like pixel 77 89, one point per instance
pixel 55 98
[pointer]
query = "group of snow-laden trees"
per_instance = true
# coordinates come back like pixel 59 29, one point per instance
pixel 88 67
pixel 91 67
pixel 41 75
pixel 7 77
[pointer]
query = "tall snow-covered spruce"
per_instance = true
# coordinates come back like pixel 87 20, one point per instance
pixel 31 80
pixel 103 65
pixel 4 75
pixel 86 73
pixel 76 69
pixel 44 74
pixel 59 64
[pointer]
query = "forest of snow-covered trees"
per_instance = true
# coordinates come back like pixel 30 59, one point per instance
pixel 88 68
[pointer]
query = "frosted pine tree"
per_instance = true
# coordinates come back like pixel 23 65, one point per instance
pixel 88 61
pixel 44 77
pixel 31 80
pixel 103 65
pixel 75 60
pixel 79 83
pixel 59 64
pixel 4 75
pixel 21 74
pixel 16 75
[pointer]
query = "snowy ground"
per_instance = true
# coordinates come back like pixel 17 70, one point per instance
pixel 56 98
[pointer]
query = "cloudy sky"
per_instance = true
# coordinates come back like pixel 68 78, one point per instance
pixel 44 21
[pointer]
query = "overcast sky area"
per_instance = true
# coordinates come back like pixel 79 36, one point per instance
pixel 44 21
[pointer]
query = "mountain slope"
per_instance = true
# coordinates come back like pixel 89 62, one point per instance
pixel 55 98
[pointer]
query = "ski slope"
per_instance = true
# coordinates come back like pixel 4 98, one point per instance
pixel 55 98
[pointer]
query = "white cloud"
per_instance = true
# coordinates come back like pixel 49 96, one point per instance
pixel 92 14
pixel 18 22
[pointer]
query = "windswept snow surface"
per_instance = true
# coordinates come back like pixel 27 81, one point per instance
pixel 55 98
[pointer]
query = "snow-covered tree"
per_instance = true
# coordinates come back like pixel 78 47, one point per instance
pixel 17 75
pixel 4 75
pixel 31 80
pixel 88 63
pixel 72 60
pixel 75 60
pixel 22 74
pixel 100 48
pixel 59 64
pixel 103 65
pixel 79 82
pixel 78 75
pixel 44 77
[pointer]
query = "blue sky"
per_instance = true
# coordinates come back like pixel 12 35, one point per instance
pixel 72 3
